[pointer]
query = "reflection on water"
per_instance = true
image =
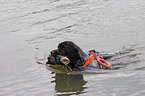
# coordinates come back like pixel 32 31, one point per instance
pixel 69 84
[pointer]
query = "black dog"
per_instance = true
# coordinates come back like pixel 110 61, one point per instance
pixel 73 55
pixel 71 51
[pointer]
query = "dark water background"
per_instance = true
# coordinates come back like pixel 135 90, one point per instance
pixel 30 29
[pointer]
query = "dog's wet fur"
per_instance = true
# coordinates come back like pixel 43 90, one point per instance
pixel 76 56
pixel 70 50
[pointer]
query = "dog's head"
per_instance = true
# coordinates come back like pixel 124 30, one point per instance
pixel 71 51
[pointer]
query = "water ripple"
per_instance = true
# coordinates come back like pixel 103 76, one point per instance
pixel 53 19
pixel 26 85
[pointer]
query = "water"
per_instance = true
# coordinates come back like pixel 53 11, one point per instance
pixel 30 29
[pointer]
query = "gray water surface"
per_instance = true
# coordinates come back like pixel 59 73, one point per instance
pixel 30 29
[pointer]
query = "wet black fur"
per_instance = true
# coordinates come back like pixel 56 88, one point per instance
pixel 71 50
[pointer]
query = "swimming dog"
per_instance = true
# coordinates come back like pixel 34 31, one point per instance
pixel 72 56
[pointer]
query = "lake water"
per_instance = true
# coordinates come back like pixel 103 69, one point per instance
pixel 30 29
